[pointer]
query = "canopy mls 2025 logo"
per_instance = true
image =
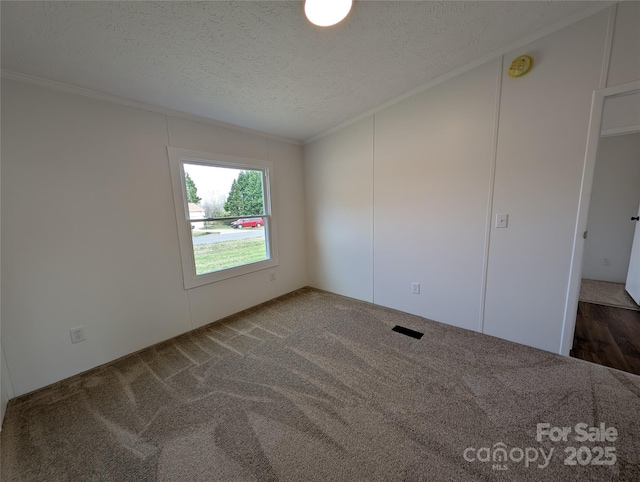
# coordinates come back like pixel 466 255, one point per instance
pixel 592 448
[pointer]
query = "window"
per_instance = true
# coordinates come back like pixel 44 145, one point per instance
pixel 223 210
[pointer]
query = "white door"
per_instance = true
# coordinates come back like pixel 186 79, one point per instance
pixel 633 275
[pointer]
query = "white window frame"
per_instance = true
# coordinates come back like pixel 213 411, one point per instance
pixel 177 158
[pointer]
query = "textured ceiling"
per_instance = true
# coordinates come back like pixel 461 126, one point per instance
pixel 261 65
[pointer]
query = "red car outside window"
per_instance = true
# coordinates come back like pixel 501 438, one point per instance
pixel 248 223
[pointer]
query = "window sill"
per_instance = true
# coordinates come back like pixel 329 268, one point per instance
pixel 224 274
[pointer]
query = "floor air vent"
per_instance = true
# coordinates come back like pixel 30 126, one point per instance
pixel 408 332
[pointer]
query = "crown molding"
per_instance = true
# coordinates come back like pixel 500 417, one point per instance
pixel 470 66
pixel 7 74
pixel 72 89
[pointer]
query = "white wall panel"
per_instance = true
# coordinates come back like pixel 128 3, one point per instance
pixel 621 113
pixel 214 301
pixel 624 65
pixel 338 187
pixel 198 136
pixel 88 234
pixel 544 118
pixel 288 199
pixel 432 178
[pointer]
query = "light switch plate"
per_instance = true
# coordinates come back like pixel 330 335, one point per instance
pixel 502 220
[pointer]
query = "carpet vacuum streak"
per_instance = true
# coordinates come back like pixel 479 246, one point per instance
pixel 314 386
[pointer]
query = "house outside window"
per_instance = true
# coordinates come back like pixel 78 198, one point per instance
pixel 196 212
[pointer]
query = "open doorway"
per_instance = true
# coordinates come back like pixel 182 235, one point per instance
pixel 607 327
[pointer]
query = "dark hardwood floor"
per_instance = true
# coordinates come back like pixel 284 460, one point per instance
pixel 608 336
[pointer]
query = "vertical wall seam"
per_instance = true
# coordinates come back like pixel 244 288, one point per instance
pixel 490 199
pixel 271 191
pixel 373 207
pixel 608 47
pixel 306 216
pixel 7 386
pixel 168 130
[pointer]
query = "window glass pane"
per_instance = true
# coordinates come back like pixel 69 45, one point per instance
pixel 224 191
pixel 224 247
pixel 214 192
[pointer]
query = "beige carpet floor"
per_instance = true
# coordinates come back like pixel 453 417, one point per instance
pixel 317 387
pixel 605 293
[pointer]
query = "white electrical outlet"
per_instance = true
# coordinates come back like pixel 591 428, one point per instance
pixel 607 262
pixel 273 275
pixel 415 288
pixel 77 334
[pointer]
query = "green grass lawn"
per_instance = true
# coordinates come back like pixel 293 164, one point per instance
pixel 227 254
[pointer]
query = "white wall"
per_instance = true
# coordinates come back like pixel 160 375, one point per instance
pixel 339 190
pixel 435 193
pixel 614 200
pixel 89 231
pixel 542 136
pixel 621 113
pixel 433 164
pixel 624 64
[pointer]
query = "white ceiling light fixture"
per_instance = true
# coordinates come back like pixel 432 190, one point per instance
pixel 325 13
